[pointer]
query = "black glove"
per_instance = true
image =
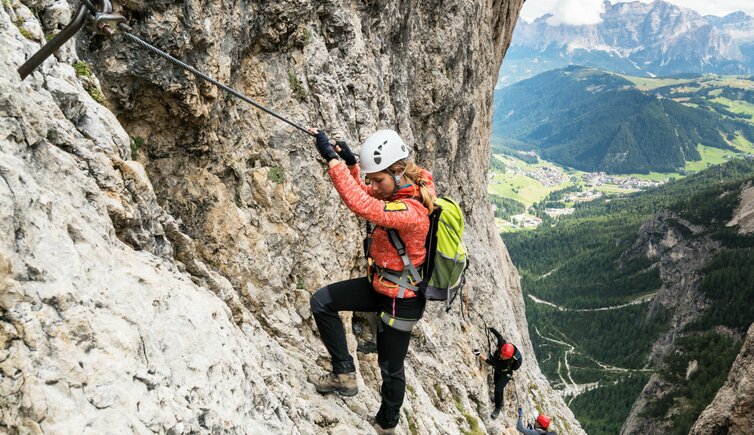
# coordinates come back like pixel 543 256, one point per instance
pixel 324 147
pixel 476 352
pixel 520 412
pixel 345 153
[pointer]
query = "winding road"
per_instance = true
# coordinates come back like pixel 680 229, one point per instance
pixel 640 300
pixel 570 387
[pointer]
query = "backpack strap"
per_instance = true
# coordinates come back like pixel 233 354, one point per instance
pixel 409 275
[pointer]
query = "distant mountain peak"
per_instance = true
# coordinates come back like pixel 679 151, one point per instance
pixel 645 39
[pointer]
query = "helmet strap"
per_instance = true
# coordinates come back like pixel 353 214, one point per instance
pixel 397 179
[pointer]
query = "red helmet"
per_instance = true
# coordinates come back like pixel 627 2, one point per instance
pixel 507 351
pixel 543 421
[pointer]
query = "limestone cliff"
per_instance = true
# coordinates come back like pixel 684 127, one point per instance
pixel 158 250
pixel 732 410
pixel 682 251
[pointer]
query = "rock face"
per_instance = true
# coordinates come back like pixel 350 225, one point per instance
pixel 157 252
pixel 680 260
pixel 732 410
pixel 682 250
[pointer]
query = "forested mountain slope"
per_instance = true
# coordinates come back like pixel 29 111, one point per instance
pixel 637 306
pixel 594 120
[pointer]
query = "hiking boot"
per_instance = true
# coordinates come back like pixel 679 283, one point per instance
pixel 366 347
pixel 495 413
pixel 343 384
pixel 381 430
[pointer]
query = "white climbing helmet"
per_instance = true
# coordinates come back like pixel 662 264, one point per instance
pixel 381 149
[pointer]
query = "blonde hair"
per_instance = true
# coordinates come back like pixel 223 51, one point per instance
pixel 417 176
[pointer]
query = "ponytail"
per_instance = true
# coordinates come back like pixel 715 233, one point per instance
pixel 418 177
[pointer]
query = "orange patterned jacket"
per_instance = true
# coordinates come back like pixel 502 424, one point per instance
pixel 402 212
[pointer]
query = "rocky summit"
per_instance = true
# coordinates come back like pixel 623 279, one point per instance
pixel 646 39
pixel 160 240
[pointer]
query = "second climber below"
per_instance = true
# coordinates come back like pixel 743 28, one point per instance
pixel 400 196
pixel 541 425
pixel 505 360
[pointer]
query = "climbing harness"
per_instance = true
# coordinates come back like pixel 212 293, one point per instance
pixel 441 277
pixel 107 23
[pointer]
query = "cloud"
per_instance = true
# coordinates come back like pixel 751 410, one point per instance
pixel 564 11
pixel 576 12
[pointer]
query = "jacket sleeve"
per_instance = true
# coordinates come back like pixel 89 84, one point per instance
pixel 397 215
pixel 500 340
pixel 356 174
pixel 520 427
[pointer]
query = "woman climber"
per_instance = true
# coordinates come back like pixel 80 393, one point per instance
pixel 505 361
pixel 397 201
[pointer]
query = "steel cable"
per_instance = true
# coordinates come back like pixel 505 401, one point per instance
pixel 143 44
pixel 125 30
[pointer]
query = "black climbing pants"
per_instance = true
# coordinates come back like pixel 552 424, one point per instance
pixel 501 380
pixel 392 345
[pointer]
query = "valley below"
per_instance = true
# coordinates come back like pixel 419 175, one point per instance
pixel 621 270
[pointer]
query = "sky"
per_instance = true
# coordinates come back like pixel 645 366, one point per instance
pixel 588 11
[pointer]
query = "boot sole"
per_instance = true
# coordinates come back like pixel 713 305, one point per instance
pixel 347 393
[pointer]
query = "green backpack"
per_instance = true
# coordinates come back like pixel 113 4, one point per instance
pixel 442 274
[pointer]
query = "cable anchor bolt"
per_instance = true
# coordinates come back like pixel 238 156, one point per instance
pixel 108 24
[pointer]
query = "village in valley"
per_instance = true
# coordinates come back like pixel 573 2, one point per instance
pixel 531 185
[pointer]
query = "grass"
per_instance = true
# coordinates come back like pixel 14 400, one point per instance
pixel 646 84
pixel 612 188
pixel 716 92
pixel 735 106
pixel 82 69
pixel 732 81
pixel 438 390
pixel 136 143
pixel 95 93
pixel 710 157
pixel 743 145
pixel 519 187
pixel 25 33
pixel 276 174
pixel 296 86
pixel 411 423
pixel 470 419
pixel 657 176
